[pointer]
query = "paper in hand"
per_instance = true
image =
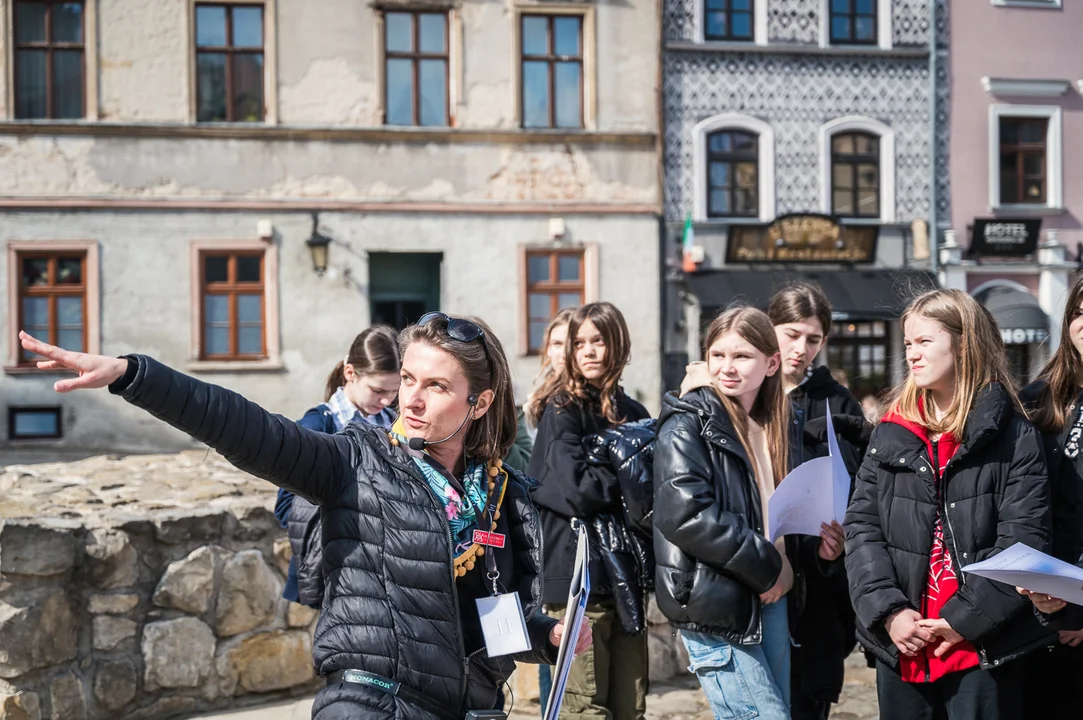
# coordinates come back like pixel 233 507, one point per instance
pixel 576 610
pixel 1022 566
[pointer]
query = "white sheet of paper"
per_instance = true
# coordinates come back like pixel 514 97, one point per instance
pixel 503 624
pixel 815 492
pixel 1022 566
pixel 576 609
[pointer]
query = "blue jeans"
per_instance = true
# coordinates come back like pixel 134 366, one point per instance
pixel 745 681
pixel 545 686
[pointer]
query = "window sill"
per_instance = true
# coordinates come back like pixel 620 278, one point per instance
pixel 1029 4
pixel 32 370
pixel 797 49
pixel 1028 210
pixel 235 366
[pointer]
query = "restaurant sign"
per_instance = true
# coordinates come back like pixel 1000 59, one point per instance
pixel 802 238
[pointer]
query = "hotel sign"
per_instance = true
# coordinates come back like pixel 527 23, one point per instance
pixel 802 238
pixel 1005 236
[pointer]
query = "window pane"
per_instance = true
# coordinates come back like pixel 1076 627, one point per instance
pixel 250 340
pixel 216 309
pixel 36 316
pixel 210 26
pixel 568 95
pixel 1032 132
pixel 842 175
pixel 1033 164
pixel 1009 131
pixel 741 4
pixel 744 142
pixel 69 312
pixel 537 268
pixel 68 84
pixel 742 25
pixel 28 423
pixel 69 271
pixel 216 324
pixel 568 300
pixel 868 176
pixel 248 26
pixel 248 87
pixel 840 28
pixel 840 6
pixel 433 92
pixel 721 142
pixel 68 23
pixel 400 32
pixel 864 7
pixel 535 35
pixel 217 339
pixel 868 203
pixel 568 268
pixel 566 36
pixel 745 174
pixel 539 305
pixel 248 268
pixel 746 202
pixel 843 144
pixel 1009 180
pixel 433 35
pixel 35 272
pixel 866 144
pixel 844 204
pixel 537 333
pixel 720 174
pixel 250 309
pixel 535 94
pixel 70 339
pixel 717 25
pixel 215 268
pixel 30 84
pixel 719 203
pixel 864 29
pixel 29 22
pixel 400 84
pixel 1034 191
pixel 211 92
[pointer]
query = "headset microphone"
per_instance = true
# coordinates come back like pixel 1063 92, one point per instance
pixel 418 444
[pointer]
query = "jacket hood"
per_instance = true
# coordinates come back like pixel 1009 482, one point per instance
pixel 701 401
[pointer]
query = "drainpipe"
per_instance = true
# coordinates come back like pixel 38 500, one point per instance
pixel 934 224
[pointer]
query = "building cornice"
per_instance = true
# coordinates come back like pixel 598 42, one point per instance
pixel 1025 87
pixel 797 49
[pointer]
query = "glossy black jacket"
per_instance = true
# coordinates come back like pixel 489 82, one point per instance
pixel 712 559
pixel 392 605
pixel 995 494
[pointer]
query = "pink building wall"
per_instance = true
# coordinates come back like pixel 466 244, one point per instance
pixel 1016 43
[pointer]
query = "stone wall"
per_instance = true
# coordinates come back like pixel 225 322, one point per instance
pixel 143 587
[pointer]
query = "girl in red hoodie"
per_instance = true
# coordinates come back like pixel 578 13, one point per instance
pixel 954 474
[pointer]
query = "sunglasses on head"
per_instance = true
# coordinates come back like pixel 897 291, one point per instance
pixel 462 330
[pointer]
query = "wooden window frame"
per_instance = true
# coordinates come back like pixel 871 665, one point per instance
pixel 230 51
pixel 49 47
pixel 551 59
pixel 588 284
pixel 19 249
pixel 729 12
pixel 1022 151
pixel 272 360
pixel 853 160
pixel 232 288
pixel 415 57
pixel 733 158
pixel 853 15
pixel 14 410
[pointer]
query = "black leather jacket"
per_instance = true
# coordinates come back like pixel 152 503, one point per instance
pixel 712 559
pixel 392 604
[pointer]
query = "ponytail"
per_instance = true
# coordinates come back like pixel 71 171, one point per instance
pixel 335 380
pixel 374 351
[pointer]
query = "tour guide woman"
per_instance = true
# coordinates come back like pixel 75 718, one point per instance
pixel 400 634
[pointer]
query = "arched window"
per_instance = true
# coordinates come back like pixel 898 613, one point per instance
pixel 733 174
pixel 855 175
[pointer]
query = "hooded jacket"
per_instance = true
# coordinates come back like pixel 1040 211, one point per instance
pixel 995 493
pixel 392 604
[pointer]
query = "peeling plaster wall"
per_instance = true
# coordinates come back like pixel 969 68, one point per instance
pixel 628 56
pixel 144 55
pixel 145 274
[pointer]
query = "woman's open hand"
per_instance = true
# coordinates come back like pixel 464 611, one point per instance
pixel 1046 604
pixel 586 636
pixel 95 371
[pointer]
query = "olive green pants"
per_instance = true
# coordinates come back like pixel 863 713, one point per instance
pixel 610 679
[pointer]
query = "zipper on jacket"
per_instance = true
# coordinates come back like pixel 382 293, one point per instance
pixel 942 481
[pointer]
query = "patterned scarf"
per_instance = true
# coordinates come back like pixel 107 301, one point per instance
pixel 461 515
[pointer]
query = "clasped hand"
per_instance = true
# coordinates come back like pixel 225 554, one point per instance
pixel 912 633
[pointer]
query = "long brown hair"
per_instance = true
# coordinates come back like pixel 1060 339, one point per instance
pixel 1061 373
pixel 798 301
pixel 534 407
pixel 486 368
pixel 372 352
pixel 979 360
pixel 771 410
pixel 571 386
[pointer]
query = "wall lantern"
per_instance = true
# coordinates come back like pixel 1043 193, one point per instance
pixel 318 245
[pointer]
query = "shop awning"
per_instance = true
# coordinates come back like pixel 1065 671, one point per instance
pixel 1020 317
pixel 854 294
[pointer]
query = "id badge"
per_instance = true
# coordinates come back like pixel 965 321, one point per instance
pixel 503 624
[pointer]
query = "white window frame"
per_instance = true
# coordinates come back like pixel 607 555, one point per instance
pixel 759 24
pixel 1054 144
pixel 885 36
pixel 886 134
pixel 765 170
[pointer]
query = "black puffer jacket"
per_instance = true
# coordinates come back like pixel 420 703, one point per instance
pixel 303 525
pixel 995 494
pixel 392 605
pixel 821 393
pixel 712 559
pixel 571 487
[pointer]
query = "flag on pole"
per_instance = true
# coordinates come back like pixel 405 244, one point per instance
pixel 688 237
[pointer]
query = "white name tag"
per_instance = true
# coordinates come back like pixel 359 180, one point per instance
pixel 503 624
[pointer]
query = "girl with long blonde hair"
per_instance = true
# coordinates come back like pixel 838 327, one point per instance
pixel 954 474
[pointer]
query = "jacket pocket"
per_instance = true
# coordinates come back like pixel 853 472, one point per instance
pixel 712 661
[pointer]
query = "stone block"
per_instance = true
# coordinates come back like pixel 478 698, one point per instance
pixel 166 707
pixel 112 604
pixel 300 616
pixel 524 683
pixel 654 614
pixel 115 683
pixel 662 658
pixel 188 584
pixel 248 594
pixel 20 706
pixel 265 662
pixel 283 554
pixel 37 629
pixel 178 527
pixel 112 559
pixel 112 634
pixel 255 523
pixel 68 698
pixel 35 548
pixel 177 653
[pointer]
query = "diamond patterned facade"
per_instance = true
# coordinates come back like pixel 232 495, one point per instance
pixel 797 92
